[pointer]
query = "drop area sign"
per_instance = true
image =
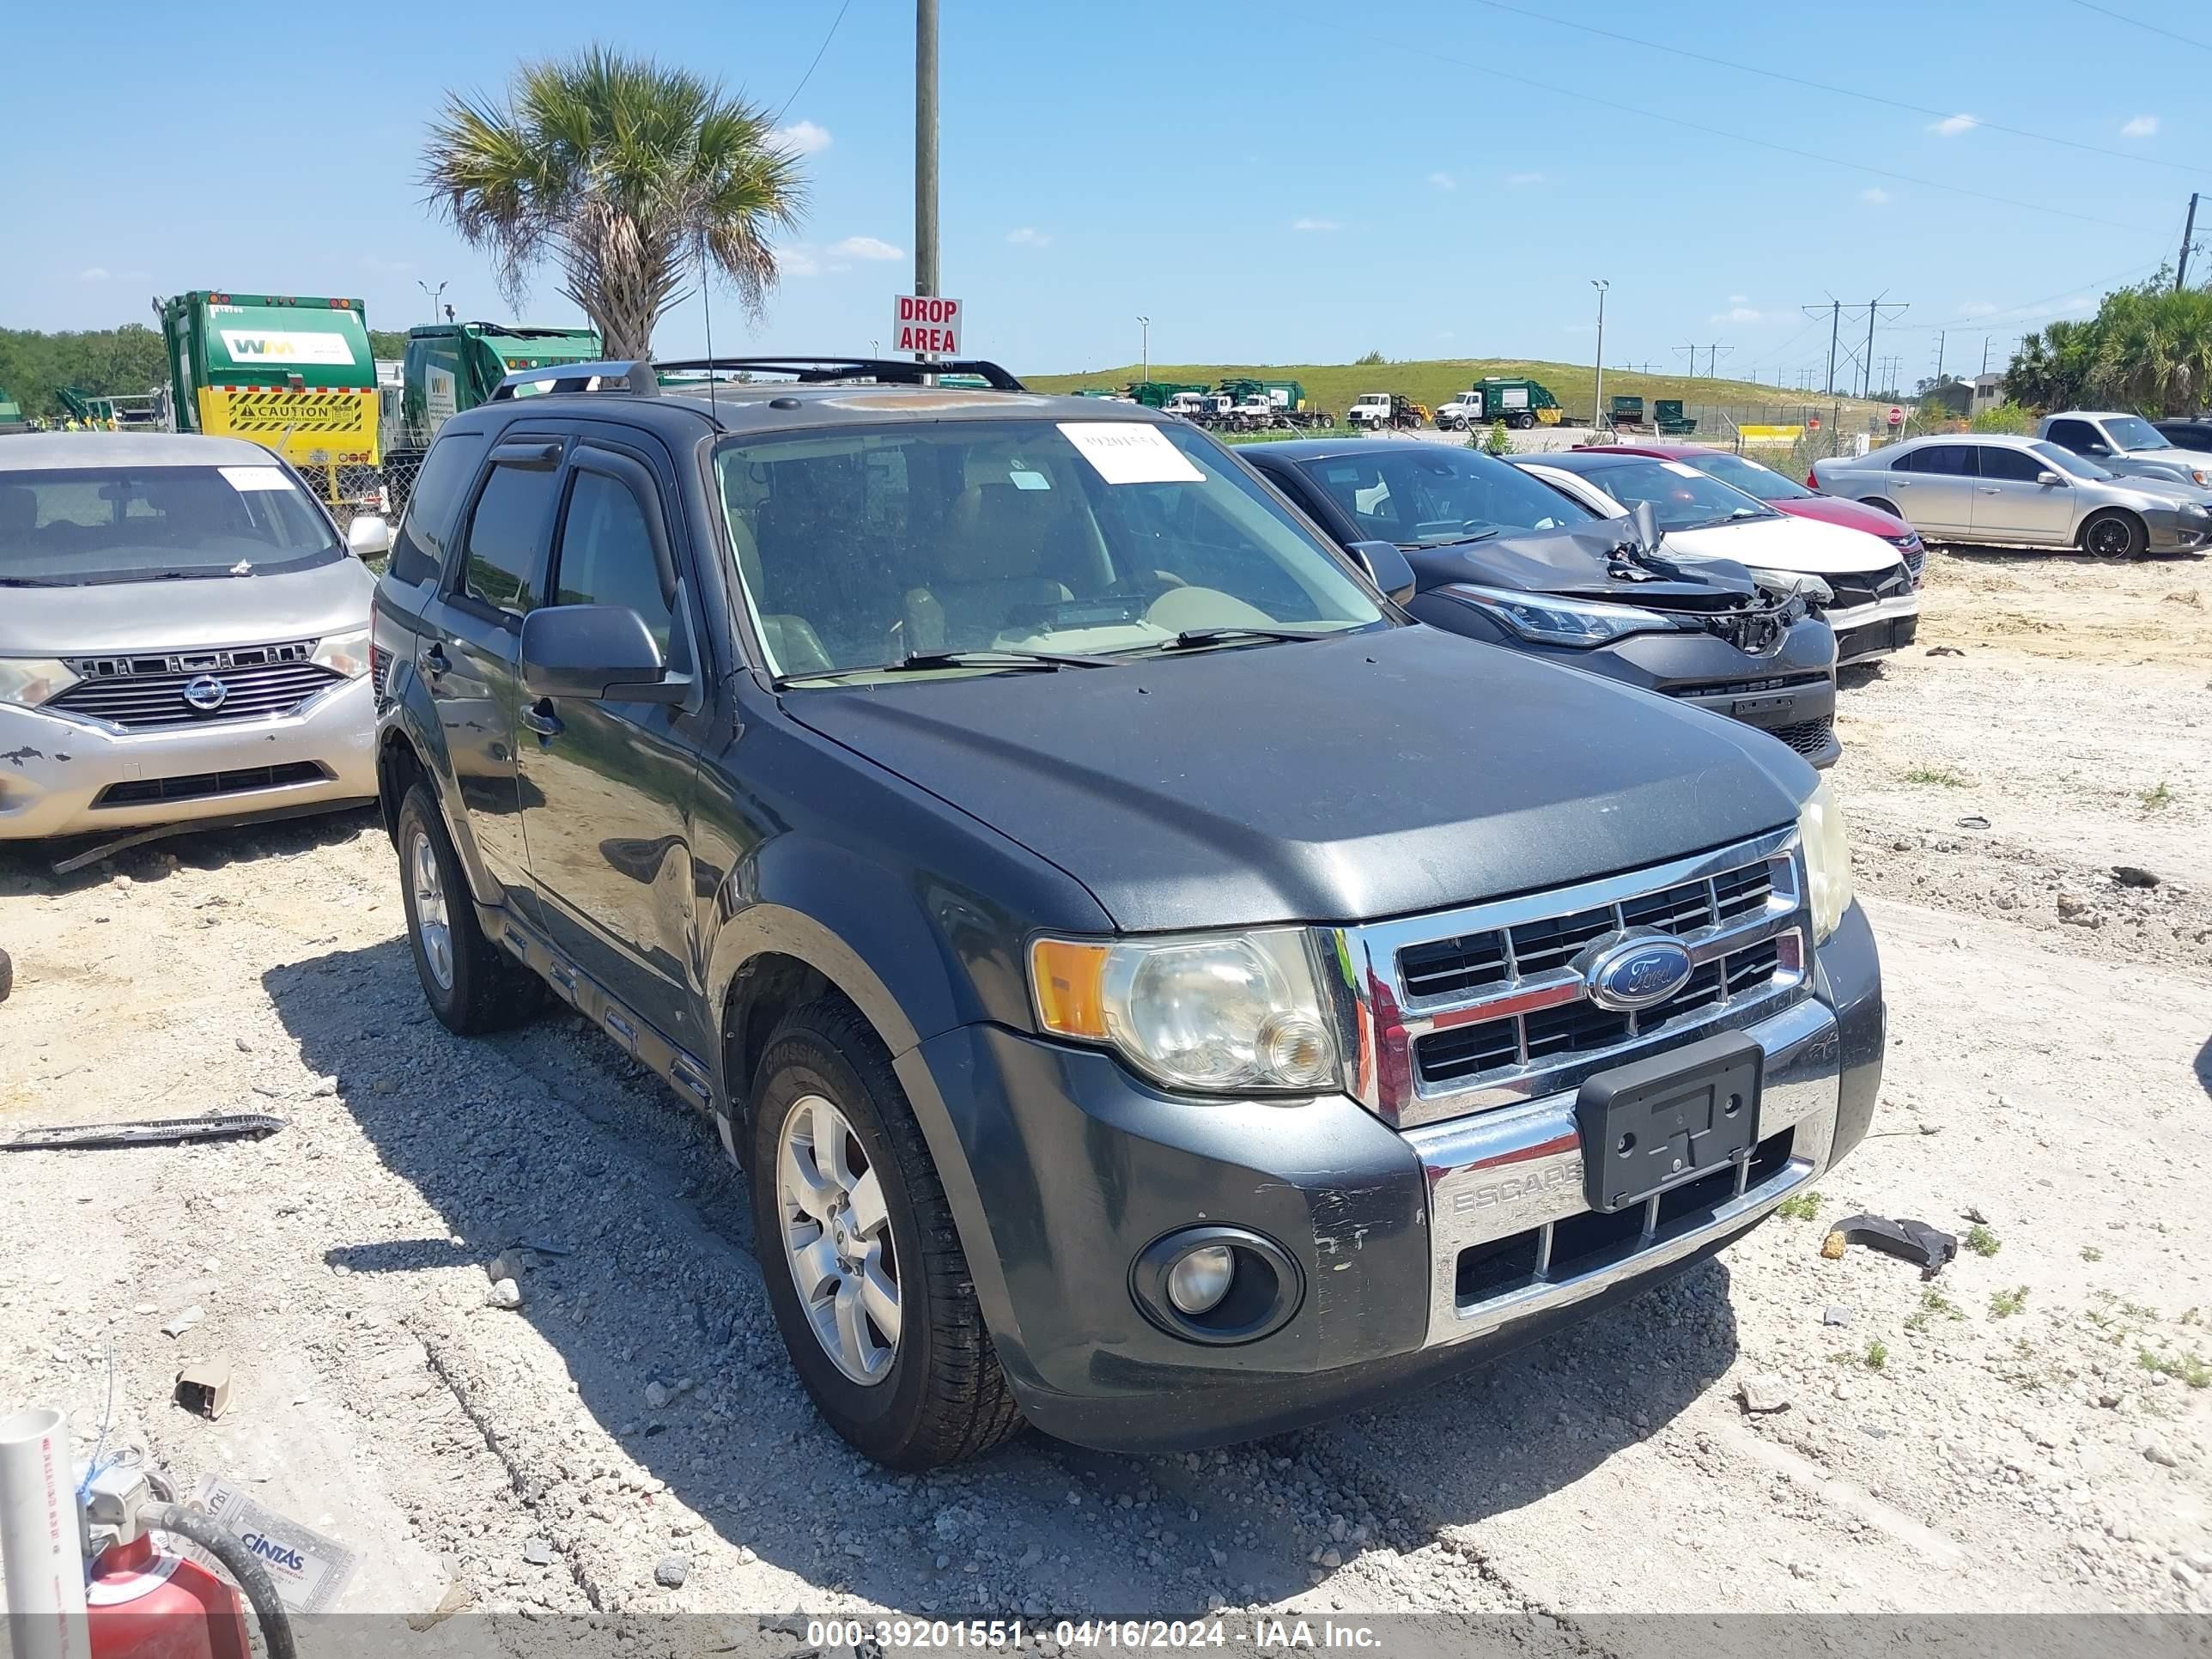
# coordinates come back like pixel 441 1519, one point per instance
pixel 925 325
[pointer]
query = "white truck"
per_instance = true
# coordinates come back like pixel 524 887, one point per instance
pixel 1464 411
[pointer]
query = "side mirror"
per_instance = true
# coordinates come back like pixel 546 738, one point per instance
pixel 597 652
pixel 2095 449
pixel 368 536
pixel 1386 568
pixel 1647 527
pixel 2047 477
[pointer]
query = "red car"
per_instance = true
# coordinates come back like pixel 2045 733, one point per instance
pixel 1786 494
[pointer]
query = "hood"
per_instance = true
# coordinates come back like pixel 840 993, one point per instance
pixel 1576 561
pixel 2175 455
pixel 1379 774
pixel 193 615
pixel 1784 542
pixel 1849 516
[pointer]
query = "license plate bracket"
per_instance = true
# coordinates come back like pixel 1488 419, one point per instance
pixel 1660 1122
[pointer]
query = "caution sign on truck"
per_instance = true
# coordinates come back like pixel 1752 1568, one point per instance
pixel 290 373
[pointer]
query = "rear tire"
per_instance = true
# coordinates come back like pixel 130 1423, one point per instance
pixel 2114 535
pixel 930 1392
pixel 471 984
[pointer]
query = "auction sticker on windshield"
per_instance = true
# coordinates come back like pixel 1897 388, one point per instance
pixel 1129 451
pixel 245 479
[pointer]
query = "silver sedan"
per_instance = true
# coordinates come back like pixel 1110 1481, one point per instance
pixel 2018 492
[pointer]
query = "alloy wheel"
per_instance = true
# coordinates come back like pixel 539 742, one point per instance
pixel 837 1239
pixel 432 925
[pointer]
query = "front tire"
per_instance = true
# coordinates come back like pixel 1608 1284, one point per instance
pixel 862 1261
pixel 471 984
pixel 2114 535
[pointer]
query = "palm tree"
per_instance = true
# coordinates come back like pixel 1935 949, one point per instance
pixel 630 174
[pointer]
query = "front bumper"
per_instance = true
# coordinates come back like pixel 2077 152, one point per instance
pixel 1790 693
pixel 1066 1167
pixel 2176 532
pixel 62 776
pixel 1866 631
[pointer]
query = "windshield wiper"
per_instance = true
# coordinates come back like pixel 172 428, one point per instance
pixel 27 581
pixel 1455 541
pixel 1191 639
pixel 915 660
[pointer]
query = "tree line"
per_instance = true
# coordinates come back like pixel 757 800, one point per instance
pixel 107 362
pixel 2149 348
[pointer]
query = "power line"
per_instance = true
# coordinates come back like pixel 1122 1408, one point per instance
pixel 817 63
pixel 1427 49
pixel 2138 23
pixel 1840 92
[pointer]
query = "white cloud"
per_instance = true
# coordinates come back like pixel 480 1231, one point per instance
pixel 93 274
pixel 1739 314
pixel 1443 181
pixel 1875 196
pixel 1739 299
pixel 1315 224
pixel 2141 127
pixel 1029 236
pixel 1952 125
pixel 803 137
pixel 1522 180
pixel 866 247
pixel 797 259
pixel 1978 308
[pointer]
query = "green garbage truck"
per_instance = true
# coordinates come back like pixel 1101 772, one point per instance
pixel 451 367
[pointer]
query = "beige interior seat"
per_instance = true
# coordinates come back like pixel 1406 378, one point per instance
pixel 791 639
pixel 997 543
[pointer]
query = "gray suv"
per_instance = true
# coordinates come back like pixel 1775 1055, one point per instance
pixel 1150 985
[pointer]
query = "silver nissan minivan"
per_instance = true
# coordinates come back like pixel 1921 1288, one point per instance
pixel 184 636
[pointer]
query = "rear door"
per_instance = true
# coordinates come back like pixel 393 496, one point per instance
pixel 2011 506
pixel 606 786
pixel 1934 486
pixel 468 652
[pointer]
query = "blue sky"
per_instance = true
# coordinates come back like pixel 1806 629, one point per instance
pixel 1292 180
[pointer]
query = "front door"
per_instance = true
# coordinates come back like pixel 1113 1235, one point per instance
pixel 469 650
pixel 2011 506
pixel 606 786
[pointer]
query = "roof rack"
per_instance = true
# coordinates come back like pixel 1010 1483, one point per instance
pixel 816 371
pixel 633 375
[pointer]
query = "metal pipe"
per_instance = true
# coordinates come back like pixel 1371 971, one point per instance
pixel 41 1547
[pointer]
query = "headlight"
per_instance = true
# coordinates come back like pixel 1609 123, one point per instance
pixel 33 680
pixel 1814 590
pixel 1550 620
pixel 347 653
pixel 1225 1013
pixel 1827 860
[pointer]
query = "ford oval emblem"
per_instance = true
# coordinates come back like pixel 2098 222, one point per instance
pixel 207 694
pixel 1638 972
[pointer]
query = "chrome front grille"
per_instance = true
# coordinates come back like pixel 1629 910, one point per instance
pixel 147 690
pixel 1488 1007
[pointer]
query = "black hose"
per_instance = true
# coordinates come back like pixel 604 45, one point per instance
pixel 252 1578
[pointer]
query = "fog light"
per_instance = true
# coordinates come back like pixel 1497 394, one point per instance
pixel 1200 1278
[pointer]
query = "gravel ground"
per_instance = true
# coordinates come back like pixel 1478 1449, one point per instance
pixel 2031 1432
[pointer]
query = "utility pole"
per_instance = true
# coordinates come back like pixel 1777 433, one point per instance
pixel 1835 328
pixel 1145 348
pixel 1692 350
pixel 925 146
pixel 1940 336
pixel 2188 232
pixel 1985 354
pixel 436 294
pixel 1713 361
pixel 1597 394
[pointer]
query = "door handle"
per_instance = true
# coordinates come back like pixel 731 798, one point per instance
pixel 434 661
pixel 1987 490
pixel 540 717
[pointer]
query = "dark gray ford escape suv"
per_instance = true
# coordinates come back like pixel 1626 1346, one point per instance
pixel 1152 986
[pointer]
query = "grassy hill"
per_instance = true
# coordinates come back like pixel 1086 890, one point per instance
pixel 1334 385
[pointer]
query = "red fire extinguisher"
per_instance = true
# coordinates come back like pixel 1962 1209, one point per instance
pixel 144 1601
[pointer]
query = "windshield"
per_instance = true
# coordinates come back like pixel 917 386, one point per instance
pixel 73 526
pixel 1751 477
pixel 861 547
pixel 2075 467
pixel 1437 495
pixel 2133 432
pixel 1681 497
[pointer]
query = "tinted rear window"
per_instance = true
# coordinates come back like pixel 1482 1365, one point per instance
pixel 426 526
